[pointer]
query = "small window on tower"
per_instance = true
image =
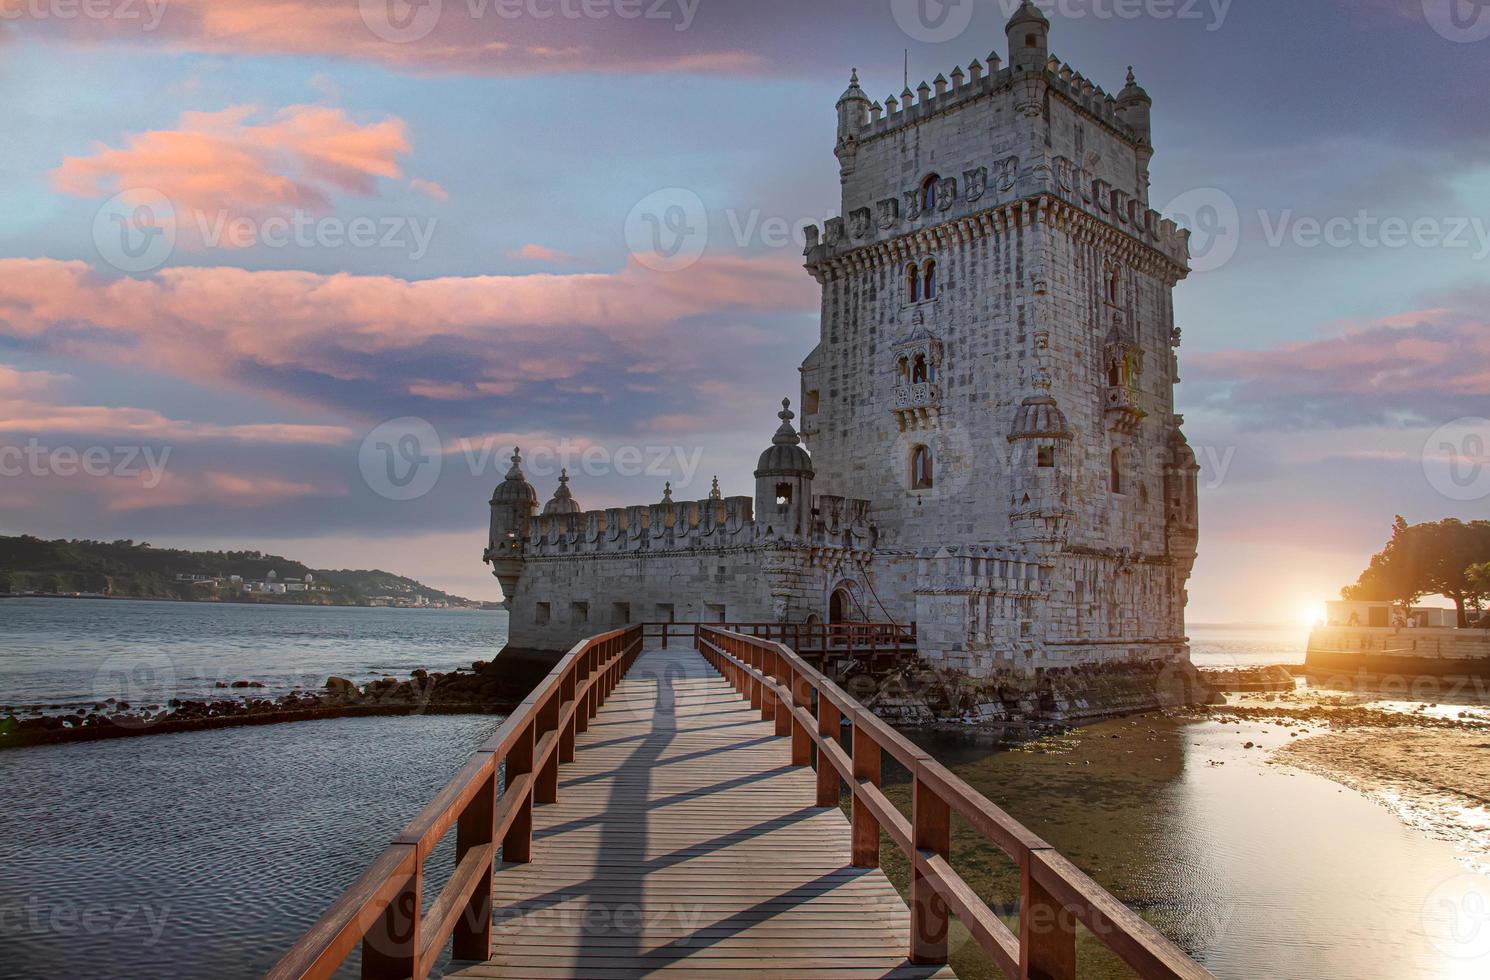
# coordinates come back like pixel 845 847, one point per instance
pixel 1032 40
pixel 1045 457
pixel 903 369
pixel 783 494
pixel 928 192
pixel 809 403
pixel 1116 477
pixel 1114 375
pixel 921 468
pixel 928 279
pixel 912 284
pixel 541 612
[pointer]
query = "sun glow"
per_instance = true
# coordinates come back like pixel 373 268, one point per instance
pixel 1312 612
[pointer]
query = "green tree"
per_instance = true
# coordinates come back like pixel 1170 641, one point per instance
pixel 1428 559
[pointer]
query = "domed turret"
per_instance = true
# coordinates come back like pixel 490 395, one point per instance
pixel 515 490
pixel 1133 105
pixel 1028 32
pixel 513 504
pixel 783 481
pixel 563 502
pixel 853 108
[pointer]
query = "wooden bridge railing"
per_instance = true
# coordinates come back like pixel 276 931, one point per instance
pixel 1054 893
pixel 849 639
pixel 381 911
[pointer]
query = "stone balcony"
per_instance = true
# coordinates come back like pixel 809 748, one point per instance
pixel 917 406
pixel 1121 408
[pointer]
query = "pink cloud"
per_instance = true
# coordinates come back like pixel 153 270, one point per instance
pixel 510 330
pixel 1427 364
pixel 540 253
pixel 431 188
pixel 482 38
pixel 229 164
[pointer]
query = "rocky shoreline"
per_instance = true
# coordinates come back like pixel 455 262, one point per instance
pixel 487 687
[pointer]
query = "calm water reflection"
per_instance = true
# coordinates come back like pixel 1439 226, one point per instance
pixel 1258 870
pixel 204 854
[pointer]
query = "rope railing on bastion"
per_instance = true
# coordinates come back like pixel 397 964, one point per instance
pixel 382 910
pixel 1054 894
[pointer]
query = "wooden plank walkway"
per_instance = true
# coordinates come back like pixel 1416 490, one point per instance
pixel 685 844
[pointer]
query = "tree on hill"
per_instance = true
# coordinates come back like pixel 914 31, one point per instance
pixel 1428 559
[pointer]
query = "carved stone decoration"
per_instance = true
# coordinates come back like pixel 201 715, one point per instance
pixel 889 213
pixel 1066 179
pixel 912 205
pixel 835 231
pixel 975 182
pixel 1006 173
pixel 858 221
pixel 946 193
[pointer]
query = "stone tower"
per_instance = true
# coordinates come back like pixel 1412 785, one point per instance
pixel 995 371
pixel 513 503
pixel 783 483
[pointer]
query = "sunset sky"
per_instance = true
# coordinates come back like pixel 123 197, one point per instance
pixel 382 212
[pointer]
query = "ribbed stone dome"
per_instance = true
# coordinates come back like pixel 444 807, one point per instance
pixel 563 502
pixel 1039 417
pixel 515 489
pixel 1028 13
pixel 786 457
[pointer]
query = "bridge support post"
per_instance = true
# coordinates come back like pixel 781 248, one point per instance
pixel 390 947
pixel 866 829
pixel 931 823
pixel 829 721
pixel 474 828
pixel 1047 932
pixel 801 737
pixel 517 844
pixel 546 784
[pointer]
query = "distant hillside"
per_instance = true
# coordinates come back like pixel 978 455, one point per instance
pixel 137 570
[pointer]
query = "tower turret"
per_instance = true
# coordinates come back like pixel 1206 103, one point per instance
pixel 853 116
pixel 563 501
pixel 1040 439
pixel 1028 32
pixel 1133 108
pixel 513 504
pixel 783 482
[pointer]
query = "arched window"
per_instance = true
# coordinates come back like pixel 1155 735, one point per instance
pixel 1114 374
pixel 1115 478
pixel 928 193
pixel 921 468
pixel 918 370
pixel 928 278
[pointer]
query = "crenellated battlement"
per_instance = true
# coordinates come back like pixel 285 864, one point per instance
pixel 713 523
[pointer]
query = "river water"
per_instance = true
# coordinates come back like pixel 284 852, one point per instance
pixel 205 854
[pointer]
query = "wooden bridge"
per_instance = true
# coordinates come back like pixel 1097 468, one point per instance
pixel 677 812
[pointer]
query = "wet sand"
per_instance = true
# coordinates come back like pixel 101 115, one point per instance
pixel 1427 763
